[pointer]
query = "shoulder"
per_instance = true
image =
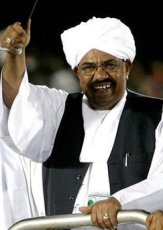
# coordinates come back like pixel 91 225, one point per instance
pixel 144 100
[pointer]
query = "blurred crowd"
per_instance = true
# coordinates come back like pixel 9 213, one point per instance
pixel 148 79
pixel 48 69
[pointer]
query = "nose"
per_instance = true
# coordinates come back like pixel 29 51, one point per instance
pixel 100 73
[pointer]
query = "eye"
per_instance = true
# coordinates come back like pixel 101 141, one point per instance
pixel 110 66
pixel 89 67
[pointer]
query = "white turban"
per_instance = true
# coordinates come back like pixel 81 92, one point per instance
pixel 109 35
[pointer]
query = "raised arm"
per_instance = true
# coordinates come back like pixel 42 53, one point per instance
pixel 15 38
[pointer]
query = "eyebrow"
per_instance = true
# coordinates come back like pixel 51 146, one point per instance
pixel 104 62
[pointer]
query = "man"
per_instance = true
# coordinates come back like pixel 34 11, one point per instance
pixel 97 146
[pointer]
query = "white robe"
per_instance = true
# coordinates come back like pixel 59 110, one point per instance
pixel 33 122
pixel 20 181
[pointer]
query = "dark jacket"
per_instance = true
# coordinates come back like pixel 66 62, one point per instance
pixel 63 173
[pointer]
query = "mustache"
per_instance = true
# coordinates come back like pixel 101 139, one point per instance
pixel 104 81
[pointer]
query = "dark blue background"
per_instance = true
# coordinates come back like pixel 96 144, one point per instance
pixel 51 17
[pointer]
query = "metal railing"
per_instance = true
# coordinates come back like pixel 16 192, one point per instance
pixel 69 221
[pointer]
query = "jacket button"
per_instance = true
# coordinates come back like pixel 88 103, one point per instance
pixel 71 198
pixel 78 177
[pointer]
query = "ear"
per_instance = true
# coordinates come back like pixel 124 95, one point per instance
pixel 128 66
pixel 76 72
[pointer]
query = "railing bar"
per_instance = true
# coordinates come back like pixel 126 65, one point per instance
pixel 76 220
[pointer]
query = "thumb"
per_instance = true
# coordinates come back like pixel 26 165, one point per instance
pixel 28 32
pixel 28 27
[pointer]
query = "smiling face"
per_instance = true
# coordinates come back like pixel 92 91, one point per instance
pixel 102 78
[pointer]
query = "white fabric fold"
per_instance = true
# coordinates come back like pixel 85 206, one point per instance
pixel 99 180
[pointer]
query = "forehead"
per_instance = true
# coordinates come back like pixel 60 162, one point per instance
pixel 95 55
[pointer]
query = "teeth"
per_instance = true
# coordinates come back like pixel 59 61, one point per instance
pixel 103 86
